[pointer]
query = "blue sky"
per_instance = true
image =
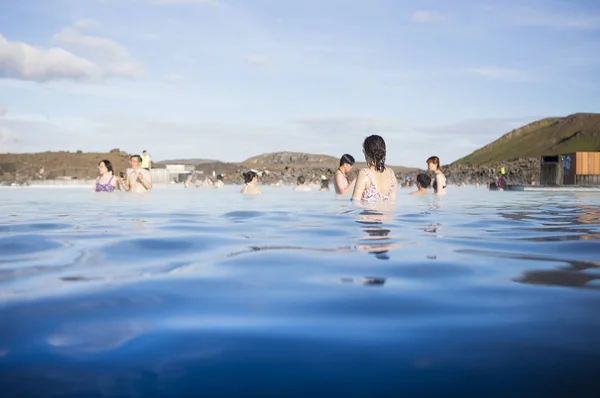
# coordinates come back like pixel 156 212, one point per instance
pixel 229 79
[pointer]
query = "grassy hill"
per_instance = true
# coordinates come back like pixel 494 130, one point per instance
pixel 558 135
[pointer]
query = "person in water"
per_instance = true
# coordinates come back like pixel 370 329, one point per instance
pixel 439 181
pixel 423 184
pixel 324 185
pixel 138 180
pixel 219 183
pixel 501 183
pixel 251 180
pixel 377 183
pixel 342 185
pixel 106 182
pixel 300 185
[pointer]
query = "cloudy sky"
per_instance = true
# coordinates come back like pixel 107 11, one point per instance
pixel 229 79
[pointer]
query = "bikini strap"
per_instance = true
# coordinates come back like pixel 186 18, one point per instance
pixel 392 182
pixel 369 176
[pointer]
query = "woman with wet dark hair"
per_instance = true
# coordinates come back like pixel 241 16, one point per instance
pixel 342 185
pixel 251 180
pixel 106 182
pixel 377 183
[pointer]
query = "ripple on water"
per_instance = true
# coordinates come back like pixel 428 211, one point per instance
pixel 20 228
pixel 19 245
pixel 150 248
pixel 243 215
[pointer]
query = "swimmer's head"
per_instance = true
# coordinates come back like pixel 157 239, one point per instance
pixel 135 161
pixel 347 161
pixel 324 184
pixel 301 180
pixel 433 163
pixel 493 186
pixel 105 166
pixel 423 180
pixel 375 152
pixel 249 177
pixel 220 177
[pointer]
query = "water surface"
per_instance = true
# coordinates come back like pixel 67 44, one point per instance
pixel 198 292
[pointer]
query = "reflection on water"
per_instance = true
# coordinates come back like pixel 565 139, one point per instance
pixel 202 293
pixel 379 240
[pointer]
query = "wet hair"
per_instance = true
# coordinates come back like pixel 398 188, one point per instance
pixel 493 186
pixel 301 180
pixel 374 148
pixel 325 184
pixel 220 177
pixel 144 151
pixel 108 165
pixel 424 180
pixel 139 158
pixel 249 176
pixel 346 159
pixel 435 160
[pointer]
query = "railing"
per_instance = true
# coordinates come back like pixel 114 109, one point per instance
pixel 587 179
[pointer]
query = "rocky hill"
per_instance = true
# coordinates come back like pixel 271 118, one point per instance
pixel 273 167
pixel 192 162
pixel 559 135
pixel 26 166
pixel 292 158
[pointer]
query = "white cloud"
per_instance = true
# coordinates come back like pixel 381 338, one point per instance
pixel 21 61
pixel 562 20
pixel 498 73
pixel 427 16
pixel 113 57
pixel 174 79
pixel 82 24
pixel 258 58
pixel 209 2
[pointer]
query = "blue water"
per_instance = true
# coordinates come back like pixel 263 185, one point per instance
pixel 196 292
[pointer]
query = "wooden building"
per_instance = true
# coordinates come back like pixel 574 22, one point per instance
pixel 580 168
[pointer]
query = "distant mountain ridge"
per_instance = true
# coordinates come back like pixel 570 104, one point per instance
pixel 579 132
pixel 291 158
pixel 192 162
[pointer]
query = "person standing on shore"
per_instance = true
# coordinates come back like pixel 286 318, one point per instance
pixel 439 180
pixel 146 161
pixel 342 185
pixel 139 179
